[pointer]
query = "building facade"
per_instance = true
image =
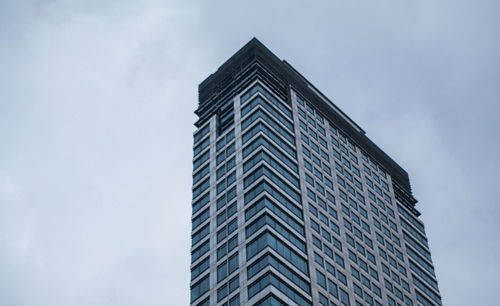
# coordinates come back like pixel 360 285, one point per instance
pixel 292 203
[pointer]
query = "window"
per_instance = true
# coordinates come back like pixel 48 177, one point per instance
pixel 200 268
pixel 227 267
pixel 342 278
pixel 200 251
pixel 202 132
pixel 321 279
pixel 200 234
pixel 313 210
pixel 318 259
pixel 344 297
pixel 200 218
pixel 323 300
pixel 270 278
pixel 233 263
pixel 221 271
pixel 355 273
pixel 333 289
pixel 358 290
pixel 317 242
pixel 306 151
pixel 221 293
pixel 200 288
pixel 201 174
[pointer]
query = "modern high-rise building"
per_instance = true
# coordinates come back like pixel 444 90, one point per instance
pixel 292 203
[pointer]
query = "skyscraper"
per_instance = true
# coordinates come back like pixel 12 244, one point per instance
pixel 292 203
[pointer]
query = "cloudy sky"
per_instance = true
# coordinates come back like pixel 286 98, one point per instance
pixel 96 122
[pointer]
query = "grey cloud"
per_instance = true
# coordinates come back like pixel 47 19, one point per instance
pixel 96 113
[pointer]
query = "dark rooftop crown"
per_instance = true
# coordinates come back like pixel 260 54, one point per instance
pixel 254 61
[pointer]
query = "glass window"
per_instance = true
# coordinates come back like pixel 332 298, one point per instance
pixel 321 279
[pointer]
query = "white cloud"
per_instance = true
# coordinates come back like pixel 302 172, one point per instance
pixel 8 188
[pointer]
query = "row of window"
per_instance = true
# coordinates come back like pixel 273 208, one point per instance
pixel 200 234
pixel 200 147
pixel 225 168
pixel 264 202
pixel 264 186
pixel 225 154
pixel 415 256
pixel 412 219
pixel 358 185
pixel 334 290
pixel 262 127
pixel 263 156
pixel 227 267
pixel 260 143
pixel 316 120
pixel 224 120
pixel 201 250
pixel 226 247
pixel 226 182
pixel 271 279
pixel 429 280
pixel 202 217
pixel 258 101
pixel 200 288
pixel 373 165
pixel 263 170
pixel 270 260
pixel 201 133
pixel 227 229
pixel 322 280
pixel 201 160
pixel 225 116
pixel 428 291
pixel 233 301
pixel 416 234
pixel 266 219
pixel 223 140
pixel 225 212
pixel 260 114
pixel 200 268
pixel 267 239
pixel 257 88
pixel 227 289
pixel 271 300
pixel 201 174
pixel 376 223
pixel 226 198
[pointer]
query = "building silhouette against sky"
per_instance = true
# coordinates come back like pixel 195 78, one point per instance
pixel 292 203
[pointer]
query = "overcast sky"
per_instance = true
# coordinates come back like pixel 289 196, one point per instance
pixel 96 122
